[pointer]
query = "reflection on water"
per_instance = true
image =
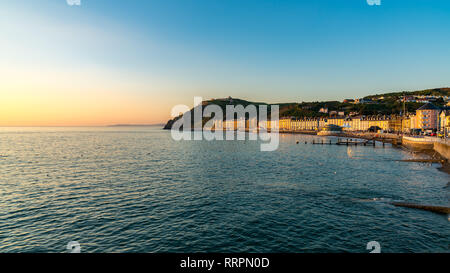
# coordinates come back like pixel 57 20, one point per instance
pixel 350 152
pixel 136 190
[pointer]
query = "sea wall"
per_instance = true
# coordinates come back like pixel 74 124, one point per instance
pixel 418 143
pixel 428 143
pixel 443 149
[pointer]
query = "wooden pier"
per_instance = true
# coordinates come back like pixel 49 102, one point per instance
pixel 346 142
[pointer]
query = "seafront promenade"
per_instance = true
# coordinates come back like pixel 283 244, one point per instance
pixel 419 142
pixel 382 137
pixel 424 143
pixel 440 145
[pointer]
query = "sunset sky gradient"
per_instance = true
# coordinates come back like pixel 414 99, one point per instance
pixel 109 62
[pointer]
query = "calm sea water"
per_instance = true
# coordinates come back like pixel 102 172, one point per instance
pixel 136 190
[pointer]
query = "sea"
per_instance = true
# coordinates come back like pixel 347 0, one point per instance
pixel 136 190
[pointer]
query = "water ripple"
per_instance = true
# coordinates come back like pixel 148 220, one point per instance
pixel 136 190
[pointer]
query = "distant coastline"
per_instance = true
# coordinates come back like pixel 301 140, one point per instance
pixel 135 125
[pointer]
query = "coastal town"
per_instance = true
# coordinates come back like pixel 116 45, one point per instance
pixel 428 119
pixel 426 128
pixel 418 119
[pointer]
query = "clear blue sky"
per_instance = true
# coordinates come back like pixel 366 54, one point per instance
pixel 266 50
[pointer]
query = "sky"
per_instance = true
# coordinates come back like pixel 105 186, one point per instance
pixel 113 62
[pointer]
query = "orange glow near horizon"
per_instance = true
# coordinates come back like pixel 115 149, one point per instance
pixel 42 110
pixel 59 100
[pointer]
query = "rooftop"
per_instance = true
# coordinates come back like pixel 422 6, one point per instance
pixel 429 106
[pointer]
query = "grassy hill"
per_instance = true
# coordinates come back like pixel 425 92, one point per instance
pixel 445 91
pixel 390 104
pixel 222 103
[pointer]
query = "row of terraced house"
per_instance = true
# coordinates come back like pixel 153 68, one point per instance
pixel 358 123
pixel 428 117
